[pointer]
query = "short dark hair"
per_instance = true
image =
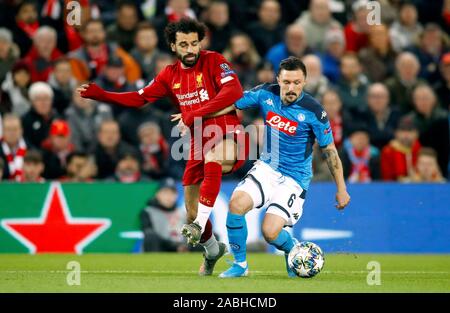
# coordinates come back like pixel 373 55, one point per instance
pixel 145 25
pixel 292 64
pixel 33 156
pixel 427 151
pixel 185 26
pixel 125 3
pixel 76 154
pixel 91 21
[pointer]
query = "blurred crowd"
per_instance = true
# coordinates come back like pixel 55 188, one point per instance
pixel 385 87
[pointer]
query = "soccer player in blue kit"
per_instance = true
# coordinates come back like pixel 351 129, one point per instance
pixel 279 180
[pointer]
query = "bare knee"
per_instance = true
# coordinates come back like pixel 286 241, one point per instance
pixel 212 156
pixel 240 203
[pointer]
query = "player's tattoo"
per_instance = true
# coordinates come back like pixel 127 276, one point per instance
pixel 333 162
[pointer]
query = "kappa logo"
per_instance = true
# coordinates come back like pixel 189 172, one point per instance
pixel 324 114
pixel 269 102
pixel 176 86
pixel 204 95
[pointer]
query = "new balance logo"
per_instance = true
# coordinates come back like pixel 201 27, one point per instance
pixel 281 123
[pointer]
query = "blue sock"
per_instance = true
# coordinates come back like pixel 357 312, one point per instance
pixel 283 242
pixel 237 236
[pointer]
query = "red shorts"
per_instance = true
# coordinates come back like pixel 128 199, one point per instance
pixel 227 126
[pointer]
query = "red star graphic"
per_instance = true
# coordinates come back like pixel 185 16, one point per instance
pixel 55 231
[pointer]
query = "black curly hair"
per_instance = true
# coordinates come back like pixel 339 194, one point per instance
pixel 184 26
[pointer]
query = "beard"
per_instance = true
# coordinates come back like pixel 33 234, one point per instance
pixel 289 98
pixel 187 63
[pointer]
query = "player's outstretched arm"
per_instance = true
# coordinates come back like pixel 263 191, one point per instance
pixel 334 163
pixel 94 92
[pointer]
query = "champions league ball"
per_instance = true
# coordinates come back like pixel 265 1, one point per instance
pixel 306 259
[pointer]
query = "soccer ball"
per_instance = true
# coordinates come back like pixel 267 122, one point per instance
pixel 306 259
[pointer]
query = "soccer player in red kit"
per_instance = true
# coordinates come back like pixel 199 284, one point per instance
pixel 205 87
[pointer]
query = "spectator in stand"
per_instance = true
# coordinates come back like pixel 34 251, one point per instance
pixel 399 157
pixel 339 118
pixel 43 53
pixel 378 58
pixel 268 30
pixel 432 123
pixel 113 79
pixel 219 25
pixel 318 21
pixel 9 52
pixel 442 87
pixel 360 160
pixel 56 148
pixel 36 123
pixel 12 147
pixel 128 170
pixel 316 83
pixel 294 44
pixel 26 25
pixel 2 166
pixel 331 58
pixel 80 168
pixel 84 117
pixel 407 29
pixel 14 90
pixel 352 86
pixel 445 16
pixel 244 58
pixel 124 29
pixel 33 167
pixel 357 30
pixel 60 16
pixel 63 85
pixel 174 11
pixel 110 149
pixel 146 51
pixel 404 82
pixel 427 169
pixel 89 60
pixel 381 118
pixel 161 221
pixel 154 150
pixel 432 45
pixel 265 73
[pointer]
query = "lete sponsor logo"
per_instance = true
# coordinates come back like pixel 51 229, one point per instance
pixel 281 123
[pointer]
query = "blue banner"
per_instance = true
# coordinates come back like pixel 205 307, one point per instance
pixel 382 218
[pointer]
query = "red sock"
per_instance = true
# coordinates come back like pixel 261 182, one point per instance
pixel 210 187
pixel 207 233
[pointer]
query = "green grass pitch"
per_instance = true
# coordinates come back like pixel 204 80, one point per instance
pixel 159 272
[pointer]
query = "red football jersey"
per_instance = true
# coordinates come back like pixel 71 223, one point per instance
pixel 191 88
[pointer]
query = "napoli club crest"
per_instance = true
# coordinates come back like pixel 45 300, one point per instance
pixel 301 117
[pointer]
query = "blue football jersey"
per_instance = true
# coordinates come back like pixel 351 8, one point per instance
pixel 290 130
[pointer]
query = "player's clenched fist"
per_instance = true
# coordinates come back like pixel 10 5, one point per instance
pixel 342 199
pixel 91 90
